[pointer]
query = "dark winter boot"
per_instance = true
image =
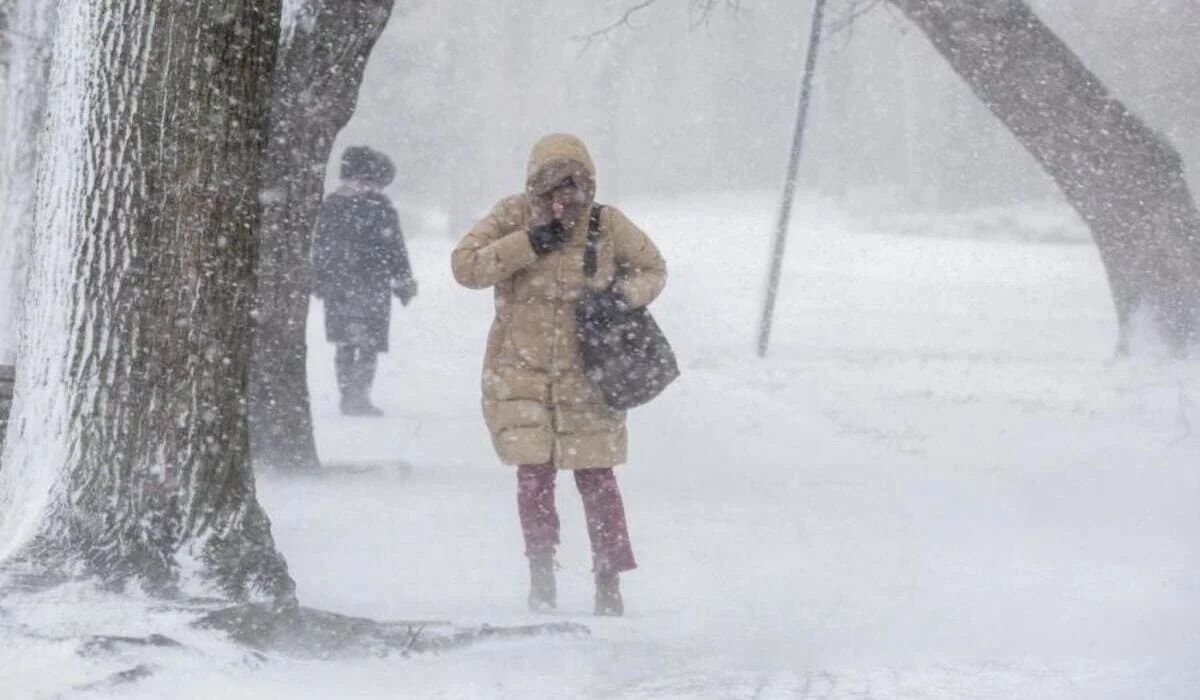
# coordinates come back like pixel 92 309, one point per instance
pixel 608 593
pixel 356 404
pixel 343 365
pixel 360 374
pixel 543 592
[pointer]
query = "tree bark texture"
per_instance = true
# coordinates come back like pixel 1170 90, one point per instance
pixel 1125 180
pixel 134 461
pixel 314 94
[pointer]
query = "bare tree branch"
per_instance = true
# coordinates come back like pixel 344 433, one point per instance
pixel 624 21
pixel 856 9
pixel 702 9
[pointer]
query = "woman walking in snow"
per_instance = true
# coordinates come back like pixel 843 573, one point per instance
pixel 543 412
pixel 359 262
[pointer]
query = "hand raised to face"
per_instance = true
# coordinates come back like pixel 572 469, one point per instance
pixel 560 191
pixel 565 204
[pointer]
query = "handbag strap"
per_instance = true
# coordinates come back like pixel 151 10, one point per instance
pixel 593 241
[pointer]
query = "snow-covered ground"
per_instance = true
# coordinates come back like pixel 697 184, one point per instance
pixel 937 485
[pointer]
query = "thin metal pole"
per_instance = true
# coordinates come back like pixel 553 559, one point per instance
pixel 789 185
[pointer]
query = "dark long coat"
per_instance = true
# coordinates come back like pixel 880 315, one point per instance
pixel 358 253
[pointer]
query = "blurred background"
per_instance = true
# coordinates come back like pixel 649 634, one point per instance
pixel 678 101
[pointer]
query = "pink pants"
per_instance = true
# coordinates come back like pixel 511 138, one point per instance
pixel 602 507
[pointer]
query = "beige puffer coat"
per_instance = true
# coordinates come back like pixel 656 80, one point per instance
pixel 538 405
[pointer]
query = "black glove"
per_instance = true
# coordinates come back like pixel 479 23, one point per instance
pixel 548 237
pixel 405 289
pixel 601 306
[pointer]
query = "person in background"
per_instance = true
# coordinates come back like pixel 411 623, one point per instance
pixel 542 411
pixel 359 262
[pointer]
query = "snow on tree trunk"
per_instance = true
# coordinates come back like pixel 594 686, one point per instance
pixel 28 26
pixel 1125 180
pixel 323 52
pixel 129 461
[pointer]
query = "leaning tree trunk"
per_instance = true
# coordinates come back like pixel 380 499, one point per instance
pixel 130 459
pixel 315 90
pixel 1126 181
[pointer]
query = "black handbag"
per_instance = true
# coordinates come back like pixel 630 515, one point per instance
pixel 624 353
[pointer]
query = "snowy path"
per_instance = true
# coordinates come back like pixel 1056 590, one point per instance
pixel 936 487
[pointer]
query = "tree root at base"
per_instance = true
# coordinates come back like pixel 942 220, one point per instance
pixel 312 633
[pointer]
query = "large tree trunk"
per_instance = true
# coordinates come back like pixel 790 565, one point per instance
pixel 1125 180
pixel 130 461
pixel 322 56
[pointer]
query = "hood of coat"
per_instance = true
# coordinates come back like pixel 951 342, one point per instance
pixel 556 157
